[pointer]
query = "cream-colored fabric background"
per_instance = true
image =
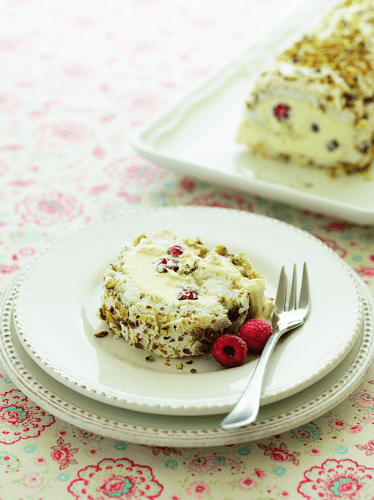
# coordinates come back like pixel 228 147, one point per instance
pixel 76 77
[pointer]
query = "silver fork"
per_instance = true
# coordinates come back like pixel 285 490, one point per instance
pixel 285 318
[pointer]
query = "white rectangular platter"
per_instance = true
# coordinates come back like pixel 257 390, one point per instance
pixel 195 136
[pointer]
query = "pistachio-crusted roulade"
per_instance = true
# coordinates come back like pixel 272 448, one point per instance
pixel 314 105
pixel 174 296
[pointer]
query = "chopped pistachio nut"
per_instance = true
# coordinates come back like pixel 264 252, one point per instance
pixel 101 334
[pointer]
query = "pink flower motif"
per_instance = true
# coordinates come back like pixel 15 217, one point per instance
pixel 164 450
pixel 98 153
pixel 343 479
pixel 338 226
pixel 141 105
pixel 130 198
pixel 97 190
pixel 368 447
pixel 355 429
pixel 333 245
pixel 8 269
pixel 64 133
pixel 22 182
pixel 86 436
pixel 314 452
pixel 21 418
pixel 34 480
pixel 27 251
pixel 9 102
pixel 188 185
pixel 14 44
pixel 198 489
pixel 11 147
pixel 261 474
pixel 3 168
pixel 223 200
pixel 246 483
pixel 280 453
pixel 121 479
pixel 363 399
pixel 134 171
pixel 366 271
pixel 78 71
pixel 63 454
pixel 144 47
pixel 49 208
pixel 337 424
pixel 214 462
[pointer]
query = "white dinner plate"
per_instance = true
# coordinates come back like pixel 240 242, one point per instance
pixel 55 314
pixel 182 431
pixel 195 135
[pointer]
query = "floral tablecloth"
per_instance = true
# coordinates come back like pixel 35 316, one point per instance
pixel 76 78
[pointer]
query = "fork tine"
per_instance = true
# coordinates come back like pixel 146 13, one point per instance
pixel 282 291
pixel 304 292
pixel 292 303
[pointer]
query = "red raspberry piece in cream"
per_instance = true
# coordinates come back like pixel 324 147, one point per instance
pixel 281 112
pixel 175 251
pixel 164 265
pixel 332 145
pixel 229 350
pixel 256 333
pixel 187 294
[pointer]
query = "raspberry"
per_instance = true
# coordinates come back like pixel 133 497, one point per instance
pixel 187 294
pixel 229 350
pixel 332 145
pixel 175 251
pixel 165 264
pixel 256 333
pixel 281 112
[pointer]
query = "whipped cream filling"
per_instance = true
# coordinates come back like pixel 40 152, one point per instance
pixel 307 131
pixel 169 295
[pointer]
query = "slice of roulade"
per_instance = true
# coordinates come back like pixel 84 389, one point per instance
pixel 173 296
pixel 314 105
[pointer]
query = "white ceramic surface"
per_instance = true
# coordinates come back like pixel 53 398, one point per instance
pixel 55 314
pixel 182 431
pixel 196 135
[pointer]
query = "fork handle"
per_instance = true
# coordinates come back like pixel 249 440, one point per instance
pixel 246 409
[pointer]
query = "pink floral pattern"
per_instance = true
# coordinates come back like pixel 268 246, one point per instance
pixel 63 134
pixel 63 454
pixel 134 171
pixel 4 168
pixel 156 450
pixel 279 453
pixel 198 489
pixel 21 418
pixel 246 483
pixel 202 464
pixel 49 208
pixel 223 200
pixel 120 478
pixel 338 479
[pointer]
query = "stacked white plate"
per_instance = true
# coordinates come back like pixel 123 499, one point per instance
pixel 48 346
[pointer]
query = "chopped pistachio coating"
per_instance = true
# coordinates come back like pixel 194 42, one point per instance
pixel 314 104
pixel 178 310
